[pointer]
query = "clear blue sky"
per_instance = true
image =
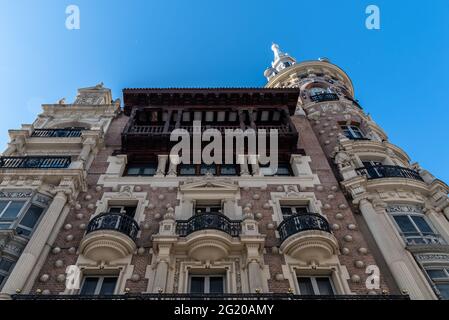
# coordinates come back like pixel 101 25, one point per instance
pixel 400 73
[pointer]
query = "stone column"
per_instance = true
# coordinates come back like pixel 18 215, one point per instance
pixel 160 277
pixel 401 265
pixel 84 154
pixel 161 164
pixel 19 276
pixel 254 276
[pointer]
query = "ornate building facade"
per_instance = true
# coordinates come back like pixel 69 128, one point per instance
pixel 94 204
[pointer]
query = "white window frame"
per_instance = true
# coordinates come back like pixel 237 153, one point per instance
pixel 293 206
pixel 13 222
pixel 438 281
pixel 207 281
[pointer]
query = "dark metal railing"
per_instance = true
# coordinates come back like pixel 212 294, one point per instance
pixel 354 101
pixel 203 221
pixel 35 162
pixel 56 133
pixel 114 221
pixel 226 296
pixel 327 96
pixel 302 222
pixel 383 171
pixel 358 138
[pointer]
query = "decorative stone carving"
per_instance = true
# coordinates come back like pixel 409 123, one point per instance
pixel 355 278
pixel 345 251
pixel 68 226
pixel 56 250
pixel 60 278
pixel 348 238
pixel 72 250
pixel 59 263
pixel 359 264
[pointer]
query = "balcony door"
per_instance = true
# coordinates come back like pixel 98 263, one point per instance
pixel 205 284
pixel 98 285
pixel 372 169
pixel 312 286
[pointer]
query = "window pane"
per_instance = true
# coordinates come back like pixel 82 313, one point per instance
pixel 187 170
pixel 207 169
pixel 324 286
pixel 108 286
pixel 89 286
pixel 13 210
pixel 130 211
pixel 2 206
pixel 305 286
pixel 405 224
pixel 5 265
pixel 422 224
pixel 1 279
pixel 436 273
pixel 216 285
pixel 197 285
pixel 149 171
pixel 286 211
pixel 133 171
pixel 115 209
pixel 228 170
pixel 283 170
pixel 4 226
pixel 302 209
pixel 444 290
pixel 32 216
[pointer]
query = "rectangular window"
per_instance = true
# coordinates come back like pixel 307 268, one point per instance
pixel 440 278
pixel 228 170
pixel 29 220
pixel 208 169
pixel 208 207
pixel 99 285
pixel 5 268
pixel 207 284
pixel 187 170
pixel 415 229
pixel 290 210
pixel 315 286
pixel 10 209
pixel 352 132
pixel 147 170
pixel 127 210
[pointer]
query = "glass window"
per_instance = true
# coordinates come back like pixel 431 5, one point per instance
pixel 98 285
pixel 197 284
pixel 317 90
pixel 5 265
pixel 11 210
pixel 290 210
pixel 228 170
pixel 207 284
pixel 207 169
pixel 142 170
pixel 187 170
pixel 315 286
pixel 440 278
pixel 352 132
pixel 443 288
pixel 29 220
pixel 415 229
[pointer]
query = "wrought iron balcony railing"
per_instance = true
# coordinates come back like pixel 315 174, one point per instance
pixel 56 133
pixel 226 296
pixel 35 162
pixel 354 101
pixel 114 221
pixel 203 221
pixel 302 222
pixel 320 97
pixel 384 171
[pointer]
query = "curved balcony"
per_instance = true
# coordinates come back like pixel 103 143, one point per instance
pixel 307 237
pixel 201 239
pixel 384 171
pixel 216 221
pixel 110 236
pixel 57 133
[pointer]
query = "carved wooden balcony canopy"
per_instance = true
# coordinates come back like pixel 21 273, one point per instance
pixel 210 97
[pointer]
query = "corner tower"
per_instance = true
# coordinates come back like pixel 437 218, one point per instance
pixel 404 207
